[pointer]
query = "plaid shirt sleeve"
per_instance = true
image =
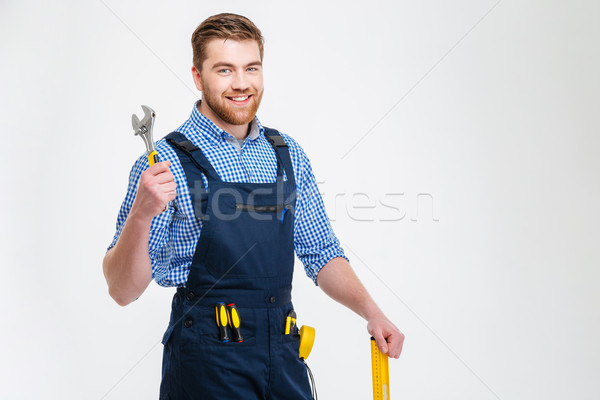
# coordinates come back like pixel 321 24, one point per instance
pixel 315 242
pixel 160 250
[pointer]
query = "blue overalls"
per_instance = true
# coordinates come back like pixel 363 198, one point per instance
pixel 245 255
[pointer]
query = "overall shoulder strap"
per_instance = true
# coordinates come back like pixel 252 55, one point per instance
pixel 195 167
pixel 185 148
pixel 282 151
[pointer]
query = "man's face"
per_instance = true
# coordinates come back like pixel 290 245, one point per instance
pixel 231 81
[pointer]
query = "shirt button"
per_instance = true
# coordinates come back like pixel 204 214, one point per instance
pixel 188 323
pixel 190 296
pixel 272 299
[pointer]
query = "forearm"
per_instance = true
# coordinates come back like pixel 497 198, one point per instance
pixel 338 280
pixel 127 266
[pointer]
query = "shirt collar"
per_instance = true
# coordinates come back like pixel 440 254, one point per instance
pixel 206 127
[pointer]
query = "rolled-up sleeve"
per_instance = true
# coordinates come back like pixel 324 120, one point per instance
pixel 315 242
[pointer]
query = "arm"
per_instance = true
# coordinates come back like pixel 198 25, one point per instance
pixel 324 261
pixel 127 267
pixel 338 281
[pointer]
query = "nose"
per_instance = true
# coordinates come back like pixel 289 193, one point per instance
pixel 240 81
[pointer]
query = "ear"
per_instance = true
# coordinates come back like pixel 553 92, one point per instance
pixel 197 78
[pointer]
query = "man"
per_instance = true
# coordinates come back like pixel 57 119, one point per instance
pixel 220 219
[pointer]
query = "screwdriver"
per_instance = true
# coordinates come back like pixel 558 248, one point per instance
pixel 234 322
pixel 290 322
pixel 221 312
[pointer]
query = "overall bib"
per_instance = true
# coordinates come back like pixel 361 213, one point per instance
pixel 245 255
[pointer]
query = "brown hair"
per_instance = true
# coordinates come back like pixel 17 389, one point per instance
pixel 223 26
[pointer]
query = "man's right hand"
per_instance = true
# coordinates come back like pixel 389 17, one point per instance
pixel 155 190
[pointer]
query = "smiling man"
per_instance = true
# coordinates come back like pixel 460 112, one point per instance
pixel 231 81
pixel 220 220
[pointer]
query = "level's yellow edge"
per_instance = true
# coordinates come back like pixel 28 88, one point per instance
pixel 380 373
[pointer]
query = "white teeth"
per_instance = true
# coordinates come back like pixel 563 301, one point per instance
pixel 239 98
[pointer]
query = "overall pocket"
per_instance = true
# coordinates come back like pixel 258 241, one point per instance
pixel 265 212
pixel 200 329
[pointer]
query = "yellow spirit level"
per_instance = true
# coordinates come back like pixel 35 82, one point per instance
pixel 381 373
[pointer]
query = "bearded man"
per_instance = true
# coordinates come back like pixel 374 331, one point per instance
pixel 220 219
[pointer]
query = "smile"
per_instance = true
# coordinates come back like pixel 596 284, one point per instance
pixel 240 100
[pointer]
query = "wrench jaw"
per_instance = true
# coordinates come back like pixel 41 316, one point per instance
pixel 144 127
pixel 146 135
pixel 135 122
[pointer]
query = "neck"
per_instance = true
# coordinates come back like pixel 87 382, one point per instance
pixel 237 131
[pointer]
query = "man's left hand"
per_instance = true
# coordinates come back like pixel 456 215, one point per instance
pixel 389 339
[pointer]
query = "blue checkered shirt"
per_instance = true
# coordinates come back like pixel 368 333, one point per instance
pixel 174 233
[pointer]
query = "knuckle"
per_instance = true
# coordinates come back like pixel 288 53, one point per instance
pixel 146 185
pixel 149 184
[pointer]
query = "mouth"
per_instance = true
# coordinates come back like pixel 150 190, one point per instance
pixel 240 100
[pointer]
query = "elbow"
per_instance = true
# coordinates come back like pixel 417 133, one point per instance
pixel 114 291
pixel 123 288
pixel 126 294
pixel 119 297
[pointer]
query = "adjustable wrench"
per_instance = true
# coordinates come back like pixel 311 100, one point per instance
pixel 143 128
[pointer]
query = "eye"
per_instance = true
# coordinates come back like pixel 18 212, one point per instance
pixel 224 71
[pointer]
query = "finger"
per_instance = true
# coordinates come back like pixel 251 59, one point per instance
pixel 395 343
pixel 159 167
pixel 164 177
pixel 380 340
pixel 168 187
pixel 171 195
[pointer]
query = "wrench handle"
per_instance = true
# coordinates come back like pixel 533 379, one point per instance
pixel 153 158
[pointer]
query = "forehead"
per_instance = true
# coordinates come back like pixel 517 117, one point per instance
pixel 231 51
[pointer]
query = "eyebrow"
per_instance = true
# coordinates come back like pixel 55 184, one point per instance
pixel 226 64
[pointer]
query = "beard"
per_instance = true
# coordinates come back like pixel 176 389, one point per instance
pixel 229 113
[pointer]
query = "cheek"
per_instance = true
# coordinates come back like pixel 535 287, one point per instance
pixel 216 84
pixel 258 83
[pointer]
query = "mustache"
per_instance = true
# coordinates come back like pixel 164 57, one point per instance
pixel 236 94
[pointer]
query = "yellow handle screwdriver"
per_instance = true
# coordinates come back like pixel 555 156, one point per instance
pixel 381 373
pixel 234 323
pixel 290 322
pixel 222 321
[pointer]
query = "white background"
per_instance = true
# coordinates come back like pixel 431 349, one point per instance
pixel 494 121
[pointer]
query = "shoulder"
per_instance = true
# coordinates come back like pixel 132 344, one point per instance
pixel 296 150
pixel 300 160
pixel 165 150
